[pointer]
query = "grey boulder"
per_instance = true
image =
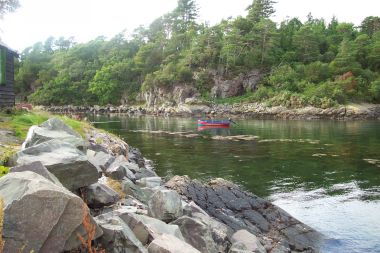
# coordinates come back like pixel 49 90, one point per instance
pixel 197 234
pixel 146 228
pixel 165 205
pixel 67 163
pixel 120 169
pixel 244 240
pixel 117 236
pixel 39 168
pixel 100 160
pixel 99 195
pixel 41 216
pixel 53 128
pixel 150 182
pixel 170 244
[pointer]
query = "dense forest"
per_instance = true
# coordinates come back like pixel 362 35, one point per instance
pixel 315 63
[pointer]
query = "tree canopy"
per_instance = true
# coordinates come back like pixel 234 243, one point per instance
pixel 317 62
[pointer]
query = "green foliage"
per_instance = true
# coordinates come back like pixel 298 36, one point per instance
pixel 305 63
pixel 3 170
pixel 375 90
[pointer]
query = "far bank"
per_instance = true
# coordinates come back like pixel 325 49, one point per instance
pixel 239 110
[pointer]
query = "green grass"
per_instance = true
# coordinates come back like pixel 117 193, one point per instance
pixel 21 122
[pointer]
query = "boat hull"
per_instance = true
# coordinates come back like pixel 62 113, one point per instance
pixel 214 123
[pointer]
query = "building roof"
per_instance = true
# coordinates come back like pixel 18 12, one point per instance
pixel 2 44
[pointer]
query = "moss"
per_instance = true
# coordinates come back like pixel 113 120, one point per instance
pixel 116 186
pixel 3 170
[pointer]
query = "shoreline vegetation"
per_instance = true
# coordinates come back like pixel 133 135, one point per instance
pixel 129 206
pixel 317 63
pixel 254 110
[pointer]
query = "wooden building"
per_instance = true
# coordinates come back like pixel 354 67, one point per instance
pixel 7 94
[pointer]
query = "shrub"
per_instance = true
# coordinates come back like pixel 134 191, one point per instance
pixel 375 90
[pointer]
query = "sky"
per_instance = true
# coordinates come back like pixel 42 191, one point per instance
pixel 85 20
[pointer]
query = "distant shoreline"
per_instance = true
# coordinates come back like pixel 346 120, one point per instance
pixel 251 110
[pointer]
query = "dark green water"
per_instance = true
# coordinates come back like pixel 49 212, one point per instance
pixel 316 170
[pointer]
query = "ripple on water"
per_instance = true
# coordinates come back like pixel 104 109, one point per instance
pixel 350 223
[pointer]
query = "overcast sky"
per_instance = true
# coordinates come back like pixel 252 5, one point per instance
pixel 36 20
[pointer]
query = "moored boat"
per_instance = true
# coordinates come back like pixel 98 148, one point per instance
pixel 211 122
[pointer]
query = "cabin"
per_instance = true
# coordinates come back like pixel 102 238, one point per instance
pixel 7 94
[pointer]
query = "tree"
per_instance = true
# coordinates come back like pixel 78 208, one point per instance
pixel 306 43
pixel 184 15
pixel 370 25
pixel 260 9
pixel 345 60
pixel 7 6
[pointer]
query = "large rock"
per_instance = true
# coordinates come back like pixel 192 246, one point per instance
pixel 242 210
pixel 99 195
pixel 39 168
pixel 146 228
pixel 170 244
pixel 100 141
pixel 120 169
pixel 117 236
pixel 53 128
pixel 221 233
pixel 62 159
pixel 243 240
pixel 41 216
pixel 197 234
pixel 100 160
pixel 150 182
pixel 165 205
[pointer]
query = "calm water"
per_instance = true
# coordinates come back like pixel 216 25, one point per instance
pixel 318 171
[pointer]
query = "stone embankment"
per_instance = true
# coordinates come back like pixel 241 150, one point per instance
pixel 252 110
pixel 69 194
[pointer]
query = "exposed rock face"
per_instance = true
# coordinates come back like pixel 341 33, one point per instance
pixel 197 234
pixel 147 229
pixel 39 215
pixel 170 96
pixel 99 195
pixel 170 244
pixel 242 210
pixel 62 159
pixel 236 86
pixel 53 128
pixel 165 205
pixel 39 168
pixel 117 236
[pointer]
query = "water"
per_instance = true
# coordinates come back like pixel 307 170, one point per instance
pixel 325 173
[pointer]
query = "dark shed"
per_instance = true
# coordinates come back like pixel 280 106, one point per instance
pixel 7 94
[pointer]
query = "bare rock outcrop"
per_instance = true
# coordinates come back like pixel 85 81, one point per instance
pixel 242 210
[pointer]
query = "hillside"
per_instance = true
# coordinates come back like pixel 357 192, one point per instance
pixel 177 60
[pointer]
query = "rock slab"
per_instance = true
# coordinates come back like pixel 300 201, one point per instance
pixel 62 159
pixel 39 215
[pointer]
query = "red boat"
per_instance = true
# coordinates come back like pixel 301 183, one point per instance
pixel 214 123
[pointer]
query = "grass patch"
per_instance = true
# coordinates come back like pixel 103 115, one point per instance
pixel 21 121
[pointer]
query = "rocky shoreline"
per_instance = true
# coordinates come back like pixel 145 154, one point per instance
pixel 247 110
pixel 97 194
